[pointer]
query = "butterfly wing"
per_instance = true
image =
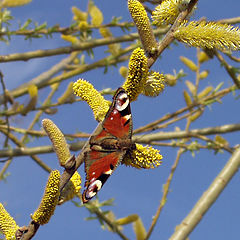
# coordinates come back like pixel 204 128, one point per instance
pixel 102 159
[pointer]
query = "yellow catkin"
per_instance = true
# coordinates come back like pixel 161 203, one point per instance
pixel 33 93
pixel 58 140
pixel 33 90
pixel 96 15
pixel 14 3
pixel 143 157
pixel 203 57
pixel 127 220
pixel 170 79
pixel 189 63
pixel 205 92
pixel 70 38
pixel 83 26
pixel 7 224
pixel 71 189
pixel 105 32
pixel 191 87
pixel 78 14
pixel 137 74
pixel 139 229
pixel 209 35
pixel 203 74
pixel 95 100
pixel 187 98
pixel 142 23
pixel 49 201
pixel 167 12
pixel 196 115
pixel 123 71
pixel 154 84
pixel 221 140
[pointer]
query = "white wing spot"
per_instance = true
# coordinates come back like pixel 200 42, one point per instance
pixel 109 172
pixel 124 105
pixel 127 117
pixel 93 189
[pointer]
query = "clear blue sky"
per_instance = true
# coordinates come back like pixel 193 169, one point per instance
pixel 135 191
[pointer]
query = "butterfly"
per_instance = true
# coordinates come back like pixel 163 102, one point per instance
pixel 108 145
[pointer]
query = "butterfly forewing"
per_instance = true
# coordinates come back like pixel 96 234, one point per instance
pixel 102 159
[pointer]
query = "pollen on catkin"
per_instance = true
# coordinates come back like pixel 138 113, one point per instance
pixel 49 201
pixel 154 84
pixel 142 23
pixel 167 12
pixel 95 100
pixel 143 157
pixel 137 74
pixel 8 225
pixel 71 189
pixel 209 35
pixel 58 141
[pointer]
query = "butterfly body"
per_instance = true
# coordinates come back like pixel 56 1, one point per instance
pixel 109 143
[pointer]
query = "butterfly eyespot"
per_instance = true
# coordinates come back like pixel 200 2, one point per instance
pixel 122 102
pixel 104 156
pixel 93 188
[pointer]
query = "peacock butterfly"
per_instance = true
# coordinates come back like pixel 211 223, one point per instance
pixel 108 144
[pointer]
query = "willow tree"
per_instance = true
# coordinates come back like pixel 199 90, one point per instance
pixel 154 26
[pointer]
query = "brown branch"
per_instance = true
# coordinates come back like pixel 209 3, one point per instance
pixel 26 233
pixel 230 20
pixel 62 30
pixel 214 146
pixel 151 126
pixel 5 101
pixel 228 68
pixel 148 138
pixel 165 193
pixel 169 37
pixel 208 198
pixel 108 222
pixel 25 151
pixel 107 61
pixel 81 46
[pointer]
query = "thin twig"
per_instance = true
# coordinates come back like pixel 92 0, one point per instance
pixel 148 138
pixel 165 193
pixel 201 103
pixel 109 223
pixel 208 198
pixel 5 101
pixel 228 68
pixel 106 61
pixel 81 46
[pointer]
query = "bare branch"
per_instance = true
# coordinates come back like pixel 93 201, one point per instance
pixel 208 198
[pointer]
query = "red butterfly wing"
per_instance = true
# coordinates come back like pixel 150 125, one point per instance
pixel 99 167
pixel 102 159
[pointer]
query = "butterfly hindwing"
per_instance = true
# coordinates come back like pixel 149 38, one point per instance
pixel 108 144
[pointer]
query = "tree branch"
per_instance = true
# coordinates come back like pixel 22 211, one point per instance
pixel 208 198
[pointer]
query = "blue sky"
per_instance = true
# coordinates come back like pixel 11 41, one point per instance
pixel 135 191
